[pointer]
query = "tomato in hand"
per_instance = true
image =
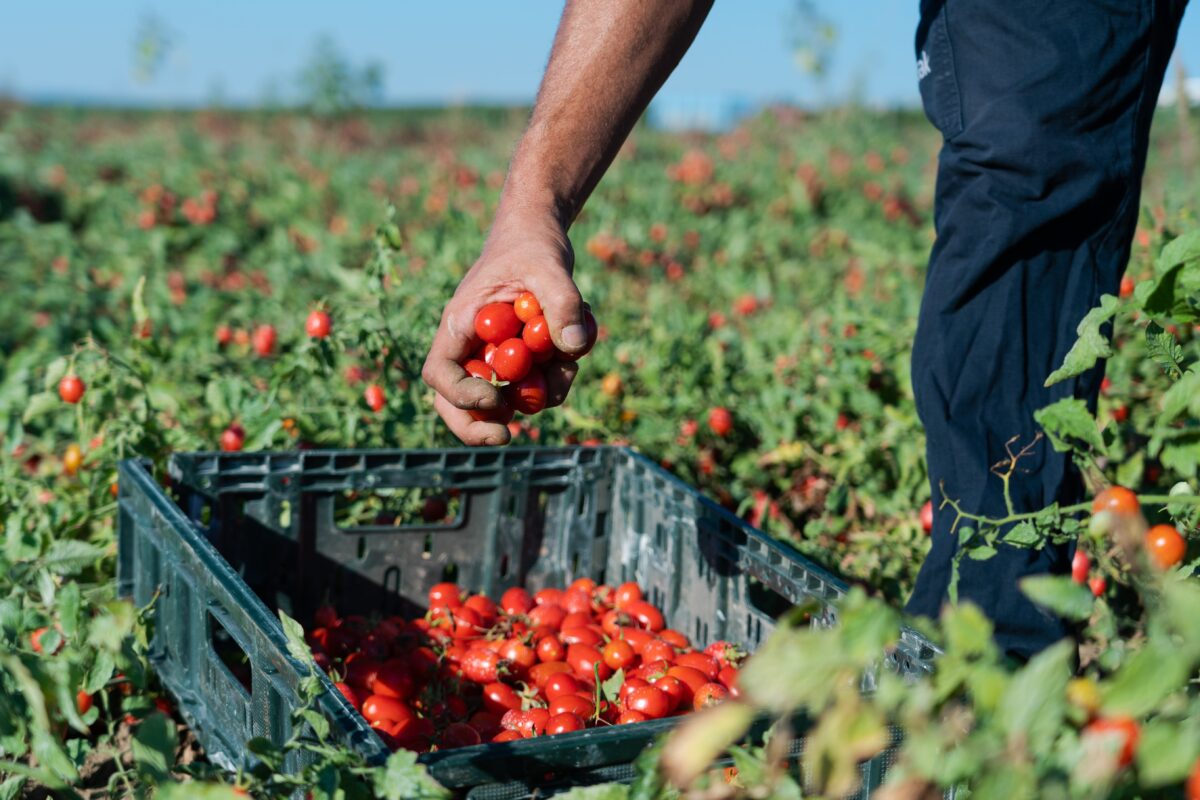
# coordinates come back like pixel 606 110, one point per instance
pixel 496 322
pixel 537 335
pixel 479 369
pixel 513 360
pixel 527 307
pixel 527 395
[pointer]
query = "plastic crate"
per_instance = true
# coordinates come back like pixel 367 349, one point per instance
pixel 256 532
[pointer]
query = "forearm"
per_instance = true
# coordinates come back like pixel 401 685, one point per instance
pixel 609 58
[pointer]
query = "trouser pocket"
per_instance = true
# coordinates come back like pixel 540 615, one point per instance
pixel 936 77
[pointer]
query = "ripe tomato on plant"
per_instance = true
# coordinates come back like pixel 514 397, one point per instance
pixel 1165 546
pixel 71 389
pixel 720 421
pixel 1125 731
pixel 1116 500
pixel 375 397
pixel 1080 566
pixel 319 324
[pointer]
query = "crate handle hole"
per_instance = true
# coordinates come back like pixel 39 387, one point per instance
pixel 427 551
pixel 362 548
pixel 229 653
pixel 504 566
pixel 450 573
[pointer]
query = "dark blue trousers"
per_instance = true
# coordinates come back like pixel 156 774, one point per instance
pixel 1045 109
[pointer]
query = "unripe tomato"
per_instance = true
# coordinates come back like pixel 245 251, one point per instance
pixel 513 360
pixel 496 322
pixel 1165 546
pixel 1080 566
pixel 72 459
pixel 536 335
pixel 1124 730
pixel 720 421
pixel 526 307
pixel 564 723
pixel 1116 500
pixel 318 324
pixel 375 397
pixel 71 389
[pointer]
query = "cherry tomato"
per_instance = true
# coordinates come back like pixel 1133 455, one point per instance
pixel 446 595
pixel 720 421
pixel 587 662
pixel 348 692
pixel 540 673
pixel 652 670
pixel 637 638
pixel 232 438
pixel 393 680
pixel 649 701
pixel 526 307
pixel 630 717
pixel 263 340
pixel 927 516
pixel 677 692
pixel 507 736
pixel 500 697
pixel 658 650
pixel 572 704
pixel 483 605
pixel 646 615
pixel 577 601
pixel 496 322
pixel 693 677
pixel 1124 730
pixel 1097 584
pixel 479 369
pixel 481 665
pixel 1116 500
pixel 516 601
pixel 548 596
pixel 560 684
pixel 627 593
pixel 1193 784
pixel 675 639
pixel 374 397
pixel 619 654
pixel 519 655
pixel 83 702
pixel 71 389
pixel 513 360
pixel 1165 546
pixel 385 709
pixel 549 648
pixel 318 324
pixel 527 395
pixel 710 694
pixel 537 335
pixel 564 723
pixel 1080 566
pixel 548 616
pixel 578 635
pixel 699 661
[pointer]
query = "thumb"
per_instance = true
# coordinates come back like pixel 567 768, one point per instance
pixel 563 307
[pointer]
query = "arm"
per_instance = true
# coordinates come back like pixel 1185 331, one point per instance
pixel 609 58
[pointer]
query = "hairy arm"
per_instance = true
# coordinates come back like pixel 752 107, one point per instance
pixel 609 58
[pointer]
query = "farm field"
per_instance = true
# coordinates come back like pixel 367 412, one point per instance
pixel 756 294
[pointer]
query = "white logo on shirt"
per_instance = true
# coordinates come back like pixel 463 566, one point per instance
pixel 923 67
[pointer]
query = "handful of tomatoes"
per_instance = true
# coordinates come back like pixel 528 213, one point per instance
pixel 472 670
pixel 516 344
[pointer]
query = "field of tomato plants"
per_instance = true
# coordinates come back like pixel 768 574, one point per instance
pixel 177 282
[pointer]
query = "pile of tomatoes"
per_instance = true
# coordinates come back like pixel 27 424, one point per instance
pixel 473 670
pixel 516 345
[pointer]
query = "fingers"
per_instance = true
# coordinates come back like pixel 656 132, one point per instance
pixel 470 430
pixel 563 306
pixel 559 376
pixel 443 373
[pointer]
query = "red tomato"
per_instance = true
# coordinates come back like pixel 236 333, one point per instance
pixel 579 635
pixel 629 687
pixel 699 661
pixel 318 324
pixel 481 665
pixel 564 723
pixel 649 701
pixel 326 616
pixel 446 595
pixel 71 389
pixel 540 673
pixel 486 722
pixel 348 692
pixel 725 653
pixel 526 307
pixel 677 692
pixel 393 680
pixel 619 654
pixel 527 723
pixel 1193 784
pixel 637 638
pixel 927 516
pixel 548 596
pixel 587 662
pixel 710 694
pixel 658 650
pixel 375 397
pixel 652 670
pixel 572 704
pixel 693 677
pixel 630 717
pixel 507 736
pixel 83 702
pixel 583 584
pixel 500 697
pixel 496 322
pixel 537 335
pixel 1116 500
pixel 1097 584
pixel 263 340
pixel 516 601
pixel 1165 546
pixel 479 369
pixel 1080 566
pixel 549 648
pixel 675 639
pixel 560 684
pixel 646 615
pixel 484 606
pixel 232 438
pixel 1124 730
pixel 577 601
pixel 548 616
pixel 361 672
pixel 385 709
pixel 519 655
pixel 627 593
pixel 513 360
pixel 720 421
pixel 460 734
pixel 578 619
pixel 527 395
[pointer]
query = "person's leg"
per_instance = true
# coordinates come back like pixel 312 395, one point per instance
pixel 1045 106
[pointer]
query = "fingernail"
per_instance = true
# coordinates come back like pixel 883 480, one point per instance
pixel 574 336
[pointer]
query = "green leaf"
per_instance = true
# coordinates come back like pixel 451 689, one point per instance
pixel 1183 395
pixel 101 672
pixel 1091 346
pixel 68 609
pixel 1069 420
pixel 55 371
pixel 982 553
pixel 1035 703
pixel 1164 349
pixel 402 778
pixel 1145 679
pixel 1023 534
pixel 194 790
pixel 317 721
pixel 11 788
pixel 1167 750
pixel 612 687
pixel 296 646
pixel 69 556
pixel 968 632
pixel 1060 594
pixel 1177 280
pixel 39 404
pixel 153 746
pixel 140 314
pixel 604 791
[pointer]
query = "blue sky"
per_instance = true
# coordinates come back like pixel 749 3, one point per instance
pixel 458 50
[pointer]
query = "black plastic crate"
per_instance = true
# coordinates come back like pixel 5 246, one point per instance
pixel 256 532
